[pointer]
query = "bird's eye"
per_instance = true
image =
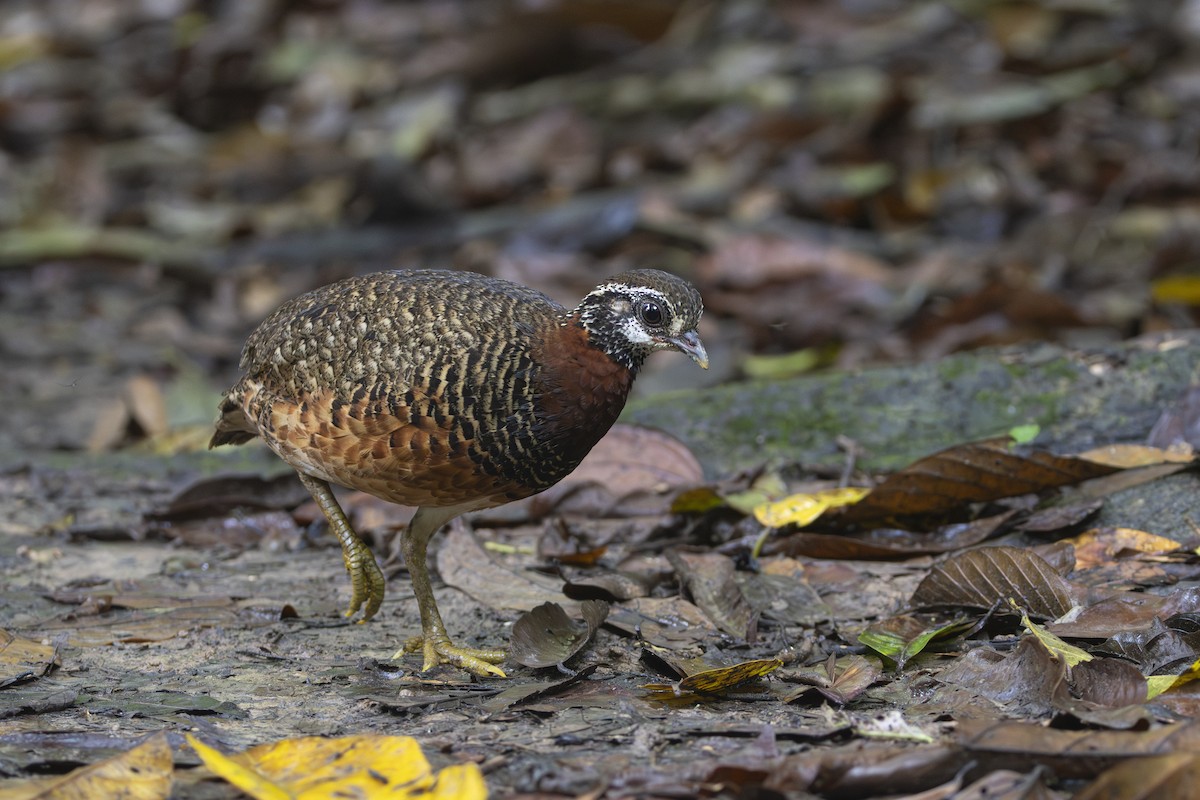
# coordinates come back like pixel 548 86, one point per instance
pixel 651 313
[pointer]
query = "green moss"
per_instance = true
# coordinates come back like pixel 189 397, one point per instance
pixel 898 414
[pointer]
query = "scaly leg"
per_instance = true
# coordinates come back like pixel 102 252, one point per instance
pixel 366 579
pixel 434 642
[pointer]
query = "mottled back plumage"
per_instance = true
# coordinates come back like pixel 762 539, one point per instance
pixel 447 389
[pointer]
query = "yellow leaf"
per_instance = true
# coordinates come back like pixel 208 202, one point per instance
pixel 698 500
pixel 242 776
pixel 765 488
pixel 1098 546
pixel 801 509
pixel 1059 650
pixel 142 773
pixel 352 766
pixel 1177 289
pixel 19 48
pixel 20 656
pixel 774 367
pixel 721 679
pixel 1157 684
pixel 459 782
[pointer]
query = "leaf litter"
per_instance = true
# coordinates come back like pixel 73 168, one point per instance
pixel 974 660
pixel 216 161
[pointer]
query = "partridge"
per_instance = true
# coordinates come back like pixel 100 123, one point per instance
pixel 448 391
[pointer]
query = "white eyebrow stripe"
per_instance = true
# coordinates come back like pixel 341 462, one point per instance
pixel 634 293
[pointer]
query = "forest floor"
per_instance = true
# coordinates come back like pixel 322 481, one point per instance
pixel 850 185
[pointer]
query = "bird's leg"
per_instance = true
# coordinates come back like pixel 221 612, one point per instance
pixel 434 642
pixel 366 579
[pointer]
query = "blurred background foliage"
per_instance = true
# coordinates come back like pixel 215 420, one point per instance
pixel 849 182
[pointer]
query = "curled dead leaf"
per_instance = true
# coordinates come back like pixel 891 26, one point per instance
pixel 545 636
pixel 969 473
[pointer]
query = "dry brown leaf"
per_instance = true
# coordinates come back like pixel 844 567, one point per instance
pixel 1130 456
pixel 1169 777
pixel 1124 480
pixel 1002 784
pixel 783 597
pixel 465 565
pixel 559 544
pixel 22 658
pixel 983 577
pixel 141 626
pixel 1179 424
pixel 969 473
pixel 557 145
pixel 108 426
pixel 999 312
pixel 754 259
pixel 545 636
pixel 272 530
pixel 217 495
pixel 709 578
pixel 1109 682
pixel 1072 754
pixel 632 468
pixel 886 543
pixel 143 772
pixel 1056 518
pixel 147 407
pixel 103 598
pixel 1101 546
pixel 1156 649
pixel 671 623
pixel 837 680
pixel 632 458
pixel 1123 613
pixel 1023 682
pixel 609 585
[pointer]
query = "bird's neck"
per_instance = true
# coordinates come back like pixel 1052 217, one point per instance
pixel 602 334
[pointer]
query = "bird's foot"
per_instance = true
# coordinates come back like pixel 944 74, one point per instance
pixel 440 650
pixel 367 584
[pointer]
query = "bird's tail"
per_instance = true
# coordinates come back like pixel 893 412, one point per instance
pixel 234 427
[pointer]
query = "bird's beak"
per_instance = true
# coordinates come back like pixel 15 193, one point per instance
pixel 690 344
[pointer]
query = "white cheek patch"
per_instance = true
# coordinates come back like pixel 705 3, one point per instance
pixel 633 332
pixel 632 329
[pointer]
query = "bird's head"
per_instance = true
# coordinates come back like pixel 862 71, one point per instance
pixel 631 315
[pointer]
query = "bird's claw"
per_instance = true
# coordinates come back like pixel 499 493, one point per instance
pixel 367 584
pixel 440 650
